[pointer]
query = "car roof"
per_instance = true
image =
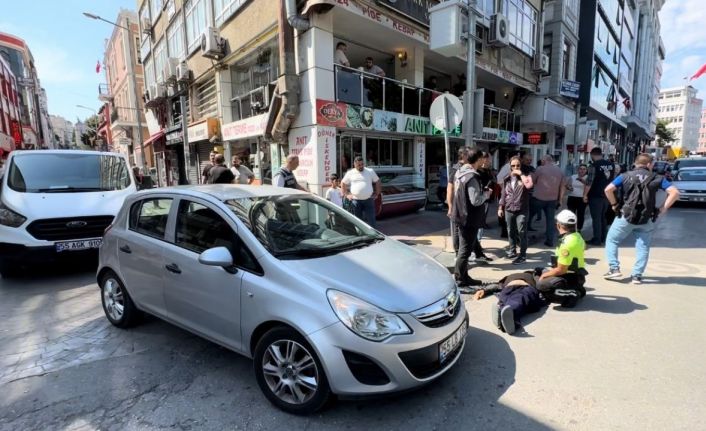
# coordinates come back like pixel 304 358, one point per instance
pixel 693 168
pixel 224 192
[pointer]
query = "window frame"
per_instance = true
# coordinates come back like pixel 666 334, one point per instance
pixel 190 6
pixel 230 8
pixel 176 28
pixel 138 204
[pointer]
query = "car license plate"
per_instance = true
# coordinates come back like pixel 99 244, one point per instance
pixel 83 244
pixel 450 344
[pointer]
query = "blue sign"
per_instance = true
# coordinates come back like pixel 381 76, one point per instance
pixel 570 89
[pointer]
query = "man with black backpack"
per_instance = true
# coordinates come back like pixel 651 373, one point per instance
pixel 467 211
pixel 636 213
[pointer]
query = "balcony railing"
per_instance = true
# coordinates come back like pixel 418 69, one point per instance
pixel 104 93
pixel 365 89
pixel 501 119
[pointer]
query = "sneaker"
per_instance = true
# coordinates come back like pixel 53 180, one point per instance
pixel 472 257
pixel 613 274
pixel 484 258
pixel 507 320
pixel 519 260
pixel 636 279
pixel 512 254
pixel 495 316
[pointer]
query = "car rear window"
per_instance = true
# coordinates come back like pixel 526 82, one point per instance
pixel 689 163
pixel 65 173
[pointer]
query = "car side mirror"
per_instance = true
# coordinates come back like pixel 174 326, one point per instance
pixel 216 256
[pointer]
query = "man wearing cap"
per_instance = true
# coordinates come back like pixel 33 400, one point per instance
pixel 361 186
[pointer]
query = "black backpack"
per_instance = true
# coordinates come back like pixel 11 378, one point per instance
pixel 462 203
pixel 638 199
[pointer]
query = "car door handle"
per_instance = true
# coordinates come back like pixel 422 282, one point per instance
pixel 126 249
pixel 173 267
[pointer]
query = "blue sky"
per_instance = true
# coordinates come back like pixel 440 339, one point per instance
pixel 66 45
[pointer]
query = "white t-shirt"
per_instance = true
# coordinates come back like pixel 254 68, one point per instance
pixel 360 183
pixel 339 57
pixel 335 196
pixel 242 174
pixel 577 185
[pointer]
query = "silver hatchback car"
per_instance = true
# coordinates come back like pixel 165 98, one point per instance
pixel 323 303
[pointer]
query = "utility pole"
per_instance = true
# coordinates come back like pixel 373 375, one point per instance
pixel 470 72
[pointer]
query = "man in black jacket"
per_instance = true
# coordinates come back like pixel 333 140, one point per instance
pixel 600 174
pixel 220 173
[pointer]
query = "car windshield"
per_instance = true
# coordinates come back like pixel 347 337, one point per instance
pixel 65 173
pixel 692 175
pixel 690 163
pixel 302 226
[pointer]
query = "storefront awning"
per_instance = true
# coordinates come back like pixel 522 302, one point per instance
pixel 154 137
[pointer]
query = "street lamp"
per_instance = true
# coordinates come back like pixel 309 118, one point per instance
pixel 133 77
pixel 89 108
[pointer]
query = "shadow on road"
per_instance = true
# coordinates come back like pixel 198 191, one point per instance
pixel 610 304
pixel 686 281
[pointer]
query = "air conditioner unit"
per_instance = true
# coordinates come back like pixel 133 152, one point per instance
pixel 183 73
pixel 499 30
pixel 153 92
pixel 170 69
pixel 212 45
pixel 541 63
pixel 161 91
pixel 146 26
pixel 260 98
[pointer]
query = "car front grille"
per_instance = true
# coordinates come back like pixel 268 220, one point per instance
pixel 441 312
pixel 59 229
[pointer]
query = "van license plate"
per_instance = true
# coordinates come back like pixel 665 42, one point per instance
pixel 450 344
pixel 83 244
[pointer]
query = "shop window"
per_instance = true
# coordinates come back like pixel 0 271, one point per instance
pixel 349 147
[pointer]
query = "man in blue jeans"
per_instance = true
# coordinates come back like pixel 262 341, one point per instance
pixel 361 186
pixel 636 213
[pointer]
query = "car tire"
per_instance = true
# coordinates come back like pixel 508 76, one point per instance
pixel 289 372
pixel 117 304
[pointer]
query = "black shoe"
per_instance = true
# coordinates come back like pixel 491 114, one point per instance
pixel 519 260
pixel 507 320
pixel 468 290
pixel 483 258
pixel 469 282
pixel 512 254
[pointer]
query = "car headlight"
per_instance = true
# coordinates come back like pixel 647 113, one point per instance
pixel 366 320
pixel 9 217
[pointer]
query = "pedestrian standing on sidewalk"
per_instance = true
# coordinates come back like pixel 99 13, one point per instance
pixel 206 169
pixel 362 186
pixel 450 195
pixel 443 185
pixel 575 201
pixel 500 178
pixel 334 194
pixel 514 207
pixel 284 177
pixel 549 189
pixel 220 173
pixel 467 211
pixel 600 174
pixel 636 213
pixel 487 181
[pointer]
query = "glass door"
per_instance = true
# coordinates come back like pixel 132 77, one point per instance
pixel 349 147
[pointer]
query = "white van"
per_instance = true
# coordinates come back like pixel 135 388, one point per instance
pixel 57 203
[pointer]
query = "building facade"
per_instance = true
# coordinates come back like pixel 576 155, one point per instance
pixel 681 110
pixel 702 134
pixel 126 120
pixel 64 133
pixel 31 96
pixel 10 126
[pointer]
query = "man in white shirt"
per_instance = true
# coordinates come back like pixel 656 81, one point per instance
pixel 243 174
pixel 362 186
pixel 339 57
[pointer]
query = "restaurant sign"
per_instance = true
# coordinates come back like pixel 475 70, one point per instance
pixel 417 10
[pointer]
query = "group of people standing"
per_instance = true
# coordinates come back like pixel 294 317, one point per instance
pixel 216 172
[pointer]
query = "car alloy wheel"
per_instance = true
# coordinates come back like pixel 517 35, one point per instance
pixel 114 299
pixel 290 371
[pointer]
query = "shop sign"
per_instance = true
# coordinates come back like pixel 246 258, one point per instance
pixel 535 138
pixel 16 132
pixel 418 10
pixel 419 160
pixel 388 20
pixel 501 136
pixel 359 117
pixel 245 128
pixel 385 121
pixel 331 113
pixel 203 131
pixel 570 89
pixel 592 124
pixel 326 137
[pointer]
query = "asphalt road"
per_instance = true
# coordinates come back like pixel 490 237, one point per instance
pixel 628 357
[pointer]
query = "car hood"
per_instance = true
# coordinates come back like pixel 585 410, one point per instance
pixel 387 274
pixel 59 205
pixel 689 185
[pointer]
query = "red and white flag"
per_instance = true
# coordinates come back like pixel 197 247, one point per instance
pixel 98 66
pixel 698 73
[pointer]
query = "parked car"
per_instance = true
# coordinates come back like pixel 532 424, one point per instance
pixel 57 203
pixel 691 183
pixel 663 168
pixel 322 302
pixel 688 162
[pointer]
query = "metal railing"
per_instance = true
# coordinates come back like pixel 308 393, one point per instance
pixel 501 119
pixel 366 89
pixel 104 92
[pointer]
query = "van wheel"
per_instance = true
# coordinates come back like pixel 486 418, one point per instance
pixel 289 373
pixel 117 304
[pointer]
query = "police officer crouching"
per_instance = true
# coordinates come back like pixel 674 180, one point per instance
pixel 564 282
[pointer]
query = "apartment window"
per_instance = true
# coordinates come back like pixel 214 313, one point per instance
pixel 547 50
pixel 206 99
pixel 160 58
pixel 149 73
pixel 256 71
pixel 144 18
pixel 523 24
pixel 196 22
pixel 171 9
pixel 156 9
pixel 145 49
pixel 566 60
pixel 175 39
pixel 138 55
pixel 223 9
pixel 486 8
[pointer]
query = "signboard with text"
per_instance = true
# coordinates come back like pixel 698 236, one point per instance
pixel 570 89
pixel 417 10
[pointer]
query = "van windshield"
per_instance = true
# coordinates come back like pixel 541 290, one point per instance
pixel 39 172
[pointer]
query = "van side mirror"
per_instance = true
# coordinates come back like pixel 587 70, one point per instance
pixel 216 256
